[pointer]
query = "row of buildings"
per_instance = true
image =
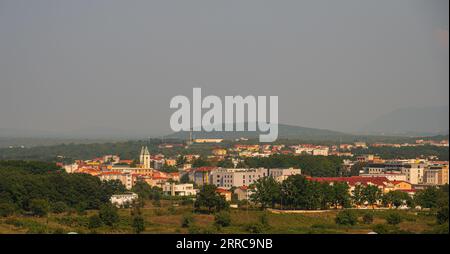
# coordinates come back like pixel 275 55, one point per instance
pixel 416 172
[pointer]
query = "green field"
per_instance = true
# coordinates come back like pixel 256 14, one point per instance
pixel 167 219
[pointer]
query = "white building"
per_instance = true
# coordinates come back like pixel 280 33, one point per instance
pixel 173 189
pixel 237 177
pixel 121 200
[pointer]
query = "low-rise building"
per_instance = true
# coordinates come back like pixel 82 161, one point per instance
pixel 224 193
pixel 186 189
pixel 243 193
pixel 121 200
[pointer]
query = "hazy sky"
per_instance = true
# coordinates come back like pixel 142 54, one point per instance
pixel 81 65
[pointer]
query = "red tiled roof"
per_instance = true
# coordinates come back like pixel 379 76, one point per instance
pixel 397 182
pixel 204 169
pixel 219 190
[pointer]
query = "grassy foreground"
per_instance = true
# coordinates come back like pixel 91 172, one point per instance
pixel 167 219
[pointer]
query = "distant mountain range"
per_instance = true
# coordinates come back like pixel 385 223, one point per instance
pixel 425 121
pixel 407 122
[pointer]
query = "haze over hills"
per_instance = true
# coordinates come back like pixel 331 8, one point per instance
pixel 284 132
pixel 424 121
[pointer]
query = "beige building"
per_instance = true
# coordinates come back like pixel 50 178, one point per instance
pixel 243 193
pixel 281 174
pixel 414 173
pixel 436 175
pixel 125 178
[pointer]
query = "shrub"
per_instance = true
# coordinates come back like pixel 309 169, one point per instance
pixel 442 215
pixel 7 209
pixel 58 231
pixel 193 229
pixel 393 218
pixel 37 229
pixel 187 220
pixel 138 224
pixel 187 202
pixel 108 214
pixel 172 210
pixel 346 217
pixel 368 218
pixel 381 229
pixel 222 219
pixel 254 228
pixel 59 207
pixel 94 221
pixel 264 220
pixel 39 207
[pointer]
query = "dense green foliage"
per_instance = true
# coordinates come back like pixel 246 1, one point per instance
pixel 268 192
pixel 367 218
pixel 69 152
pixel 138 224
pixel 396 199
pixel 145 191
pixel 394 218
pixel 346 217
pixel 406 152
pixel 209 198
pixel 27 185
pixel 296 192
pixel 432 197
pixel 39 207
pixel 108 214
pixel 222 219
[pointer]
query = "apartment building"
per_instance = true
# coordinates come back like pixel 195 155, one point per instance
pixel 125 178
pixel 233 177
pixel 414 172
pixel 236 177
pixel 436 175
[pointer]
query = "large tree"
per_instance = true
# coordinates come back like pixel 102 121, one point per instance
pixel 371 194
pixel 209 198
pixel 267 192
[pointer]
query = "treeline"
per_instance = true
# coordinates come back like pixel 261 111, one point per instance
pixel 406 152
pixel 310 165
pixel 70 152
pixel 38 187
pixel 297 192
